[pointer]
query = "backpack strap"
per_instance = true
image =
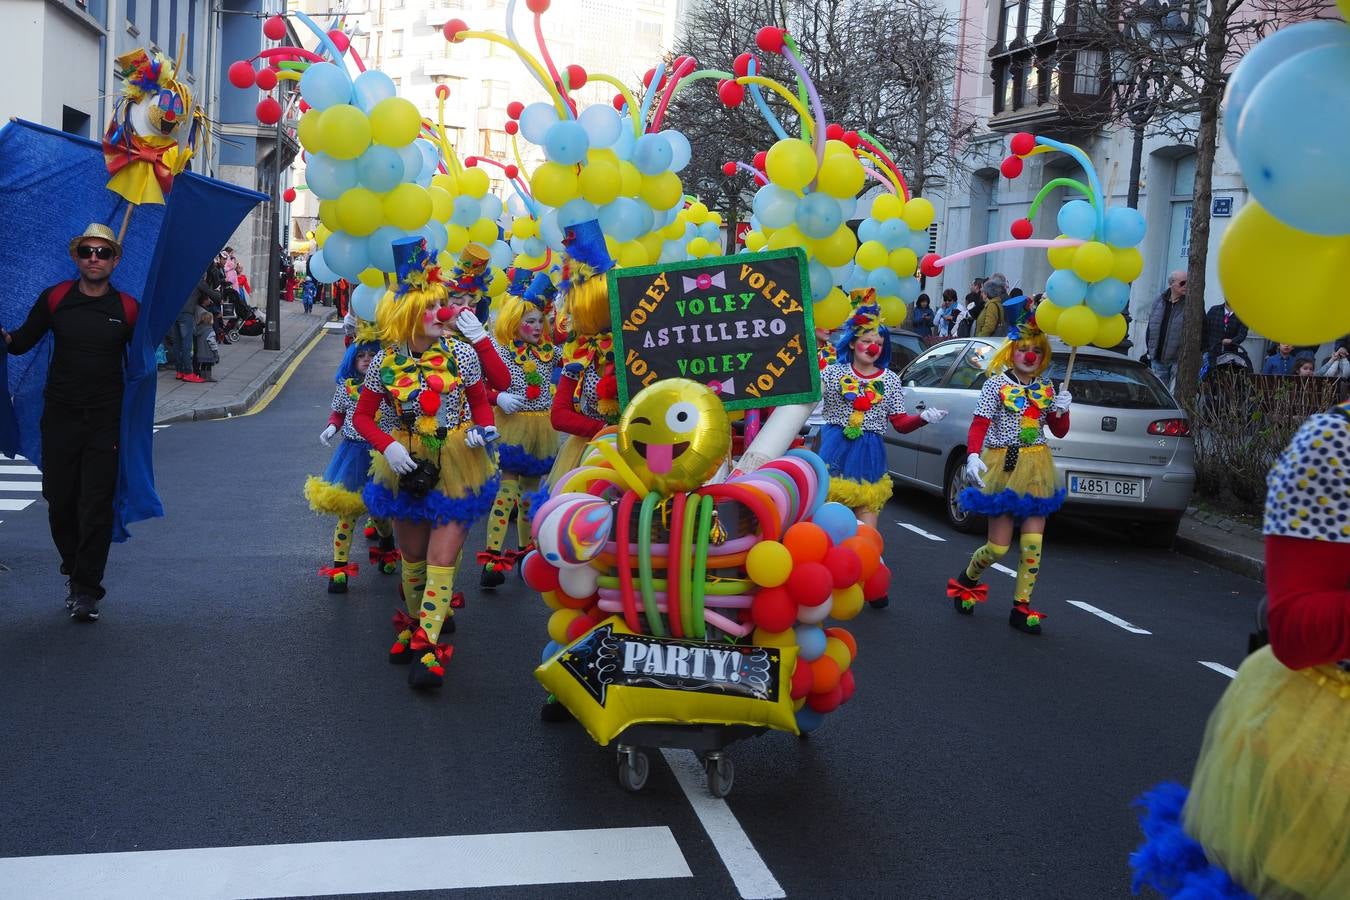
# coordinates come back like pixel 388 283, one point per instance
pixel 57 294
pixel 130 308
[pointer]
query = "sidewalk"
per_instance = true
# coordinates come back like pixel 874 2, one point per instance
pixel 1223 542
pixel 244 372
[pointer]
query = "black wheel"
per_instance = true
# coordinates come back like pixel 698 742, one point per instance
pixel 1158 535
pixel 232 334
pixel 957 517
pixel 634 767
pixel 721 774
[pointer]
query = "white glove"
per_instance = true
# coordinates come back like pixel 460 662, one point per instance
pixel 975 467
pixel 480 436
pixel 510 403
pixel 470 327
pixel 933 416
pixel 1062 401
pixel 399 459
pixel 326 438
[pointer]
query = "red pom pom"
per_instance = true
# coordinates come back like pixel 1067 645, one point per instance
pixel 511 127
pixel 742 65
pixel 1022 143
pixel 576 77
pixel 515 108
pixel 538 7
pixel 266 79
pixel 810 583
pixel 728 169
pixel 1021 229
pixel 862 404
pixel 442 92
pixel 928 265
pixel 773 609
pixel 241 74
pixel 834 132
pixel 269 111
pixel 340 40
pixel 274 28
pixel 851 138
pixel 770 39
pixel 878 584
pixel 453 29
pixel 444 314
pixel 533 391
pixel 801 680
pixel 289 195
pixel 730 93
pixel 607 388
pixel 429 401
pixel 844 565
pixel 618 102
pixel 846 686
pixel 828 701
pixel 761 160
pixel 510 171
pixel 538 574
pixel 1011 167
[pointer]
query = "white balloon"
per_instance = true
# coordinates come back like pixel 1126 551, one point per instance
pixel 578 581
pixel 814 615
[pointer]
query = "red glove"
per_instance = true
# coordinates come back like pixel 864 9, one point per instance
pixel 1309 616
pixel 566 419
pixel 479 407
pixel 364 420
pixel 979 426
pixel 907 422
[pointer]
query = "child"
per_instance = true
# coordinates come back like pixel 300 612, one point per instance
pixel 207 350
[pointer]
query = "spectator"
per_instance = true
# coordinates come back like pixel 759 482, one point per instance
pixel 945 317
pixel 921 319
pixel 1281 362
pixel 990 321
pixel 207 350
pixel 1305 367
pixel 185 328
pixel 1223 331
pixel 1338 366
pixel 1162 342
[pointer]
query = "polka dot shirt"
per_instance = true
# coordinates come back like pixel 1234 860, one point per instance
pixel 344 402
pixel 454 410
pixel 1308 490
pixel 838 409
pixel 518 385
pixel 1005 425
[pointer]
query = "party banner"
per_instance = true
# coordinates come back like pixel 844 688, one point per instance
pixel 740 324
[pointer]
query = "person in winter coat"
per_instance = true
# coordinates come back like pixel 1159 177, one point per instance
pixel 1223 331
pixel 1338 366
pixel 1281 362
pixel 1163 339
pixel 921 318
pixel 206 349
pixel 990 319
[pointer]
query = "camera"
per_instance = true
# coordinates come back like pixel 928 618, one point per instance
pixel 419 482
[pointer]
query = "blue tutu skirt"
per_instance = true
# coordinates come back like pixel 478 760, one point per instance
pixel 1172 862
pixel 350 466
pixel 858 459
pixel 517 460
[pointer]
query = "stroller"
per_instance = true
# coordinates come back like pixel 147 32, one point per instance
pixel 1234 359
pixel 240 318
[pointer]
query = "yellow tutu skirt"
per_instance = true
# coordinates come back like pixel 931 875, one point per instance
pixel 868 495
pixel 1270 800
pixel 528 442
pixel 333 499
pixel 463 494
pixel 1028 490
pixel 568 458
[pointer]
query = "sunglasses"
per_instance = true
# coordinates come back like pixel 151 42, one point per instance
pixel 85 252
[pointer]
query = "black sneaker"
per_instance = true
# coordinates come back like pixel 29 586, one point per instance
pixel 70 596
pixel 85 609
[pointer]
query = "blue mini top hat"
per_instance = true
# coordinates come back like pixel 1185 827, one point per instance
pixel 520 281
pixel 542 291
pixel 1021 322
pixel 413 265
pixel 585 244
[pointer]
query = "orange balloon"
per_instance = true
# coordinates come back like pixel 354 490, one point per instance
pixel 825 675
pixel 867 553
pixel 573 602
pixel 807 542
pixel 867 531
pixel 843 635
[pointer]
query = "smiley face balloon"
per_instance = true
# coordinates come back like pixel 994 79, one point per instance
pixel 674 434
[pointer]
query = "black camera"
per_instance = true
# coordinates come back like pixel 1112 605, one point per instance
pixel 420 481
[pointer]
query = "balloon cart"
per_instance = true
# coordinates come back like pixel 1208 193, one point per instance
pixel 690 613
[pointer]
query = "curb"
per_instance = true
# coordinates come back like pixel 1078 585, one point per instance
pixel 255 388
pixel 1232 560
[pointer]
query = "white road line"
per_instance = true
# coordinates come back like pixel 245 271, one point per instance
pixel 14 505
pixel 1217 667
pixel 353 867
pixel 753 879
pixel 999 567
pixel 30 486
pixel 1114 620
pixel 18 470
pixel 920 532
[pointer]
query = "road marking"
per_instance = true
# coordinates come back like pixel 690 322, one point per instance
pixel 1217 667
pixel 14 505
pixel 1114 620
pixel 332 326
pixel 753 879
pixel 19 470
pixel 999 567
pixel 354 867
pixel 920 532
pixel 19 485
pixel 270 394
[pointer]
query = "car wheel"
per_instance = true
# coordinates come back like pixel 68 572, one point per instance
pixel 1158 535
pixel 957 517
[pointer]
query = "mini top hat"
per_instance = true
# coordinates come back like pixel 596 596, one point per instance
pixel 414 266
pixel 1021 320
pixel 585 244
pixel 541 291
pixel 866 313
pixel 101 232
pixel 470 274
pixel 520 281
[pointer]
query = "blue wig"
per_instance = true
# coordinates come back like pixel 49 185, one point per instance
pixel 346 369
pixel 852 328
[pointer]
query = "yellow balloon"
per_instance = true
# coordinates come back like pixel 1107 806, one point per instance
pixel 651 242
pixel 674 231
pixel 322 234
pixel 371 277
pixel 661 191
pixel 395 122
pixel 524 227
pixel 904 261
pixel 632 253
pixel 474 183
pixel 841 176
pixel 407 206
pixel 892 311
pixel 630 179
pixel 599 182
pixel 919 213
pixel 1092 261
pixel 456 239
pixel 1077 325
pixel 715 217
pixel 603 155
pixel 697 246
pixel 442 204
pixel 558 622
pixel 484 231
pixel 1061 257
pixel 872 255
pixel 1047 317
pixel 834 148
pixel 791 164
pixel 831 310
pixel 551 600
pixel 762 638
pixel 1282 282
pixel 344 131
pixel 328 215
pixel 837 249
pixel 848 602
pixel 446 182
pixel 307 129
pixel 696 212
pixel 755 241
pixel 554 184
pixel 887 206
pixel 360 211
pixel 768 563
pixel 787 237
pixel 1126 264
pixel 836 649
pixel 1110 330
pixel 498 282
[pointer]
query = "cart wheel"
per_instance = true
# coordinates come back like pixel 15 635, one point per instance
pixel 634 767
pixel 233 334
pixel 721 773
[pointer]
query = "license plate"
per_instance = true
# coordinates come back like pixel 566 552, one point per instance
pixel 1107 487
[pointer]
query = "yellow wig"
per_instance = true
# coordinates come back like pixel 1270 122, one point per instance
pixel 1029 339
pixel 587 306
pixel 399 318
pixel 510 311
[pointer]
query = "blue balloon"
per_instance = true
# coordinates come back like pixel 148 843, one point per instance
pixel 319 268
pixel 364 301
pixel 885 281
pixel 500 254
pixel 346 255
pixel 435 235
pixel 672 251
pixel 413 163
pixel 1064 288
pixel 652 154
pixel 837 520
pixel 431 156
pixel 847 206
pixel 867 230
pixel 856 281
pixel 535 246
pixel 810 642
pixel 839 273
pixel 1077 219
pixel 466 210
pixel 566 143
pixel 680 151
pixel 491 207
pixel 775 206
pixel 920 242
pixel 323 85
pixel 536 120
pixel 550 232
pixel 329 178
pixel 380 168
pixel 550 649
pixel 623 145
pixel 621 219
pixel 818 215
pixel 601 123
pixel 380 247
pixel 893 233
pixel 1108 297
pixel 1124 226
pixel 821 279
pixel 370 87
pixel 576 210
pixel 908 290
pixel 1270 52
pixel 808 720
pixel 1293 137
pixel 647 218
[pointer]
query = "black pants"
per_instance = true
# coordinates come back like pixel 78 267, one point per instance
pixel 79 482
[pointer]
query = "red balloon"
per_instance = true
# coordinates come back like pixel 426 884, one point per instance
pixel 834 132
pixel 241 74
pixel 289 195
pixel 618 102
pixel 810 583
pixel 1011 167
pixel 728 169
pixel 453 29
pixel 868 555
pixel 538 574
pixel 266 80
pixel 928 265
pixel 471 162
pixel 844 565
pixel 846 686
pixel 1022 143
pixel 742 65
pixel 773 609
pixel 579 626
pixel 576 78
pixel 269 111
pixel 730 93
pixel 647 77
pixel 770 39
pixel 761 160
pixel 852 139
pixel 510 171
pixel 275 28
pixel 1021 229
pixel 828 701
pixel 538 7
pixel 304 107
pixel 801 680
pixel 442 91
pixel 511 127
pixel 878 585
pixel 340 40
pixel 515 108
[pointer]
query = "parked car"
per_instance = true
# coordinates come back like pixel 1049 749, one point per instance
pixel 905 346
pixel 1128 454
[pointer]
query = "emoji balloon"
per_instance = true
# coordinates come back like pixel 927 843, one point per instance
pixel 674 434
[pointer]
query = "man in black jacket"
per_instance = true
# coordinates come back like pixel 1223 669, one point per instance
pixel 91 323
pixel 1223 331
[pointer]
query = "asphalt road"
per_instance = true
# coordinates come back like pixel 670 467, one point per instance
pixel 226 700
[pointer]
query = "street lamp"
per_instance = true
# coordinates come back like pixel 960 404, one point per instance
pixel 1138 89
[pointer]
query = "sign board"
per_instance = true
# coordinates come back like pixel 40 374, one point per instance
pixel 740 324
pixel 1222 207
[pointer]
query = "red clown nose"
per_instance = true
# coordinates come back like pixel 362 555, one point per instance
pixel 444 314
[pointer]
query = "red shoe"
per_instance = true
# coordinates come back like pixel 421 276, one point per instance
pixel 456 602
pixel 192 377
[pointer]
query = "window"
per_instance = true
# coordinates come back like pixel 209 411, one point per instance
pixel 493 142
pixel 970 372
pixel 1087 72
pixel 1115 383
pixel 397 4
pixel 73 121
pixel 395 44
pixel 1012 14
pixel 131 11
pixel 929 369
pixel 191 55
pixel 495 95
pixel 171 39
pixel 154 22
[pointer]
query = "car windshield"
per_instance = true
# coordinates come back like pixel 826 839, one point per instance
pixel 1115 383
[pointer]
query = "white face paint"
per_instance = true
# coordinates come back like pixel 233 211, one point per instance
pixel 531 326
pixel 1025 361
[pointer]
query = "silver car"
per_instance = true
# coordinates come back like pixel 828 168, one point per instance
pixel 1128 454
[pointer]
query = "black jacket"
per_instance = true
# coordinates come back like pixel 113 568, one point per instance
pixel 89 350
pixel 1216 329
